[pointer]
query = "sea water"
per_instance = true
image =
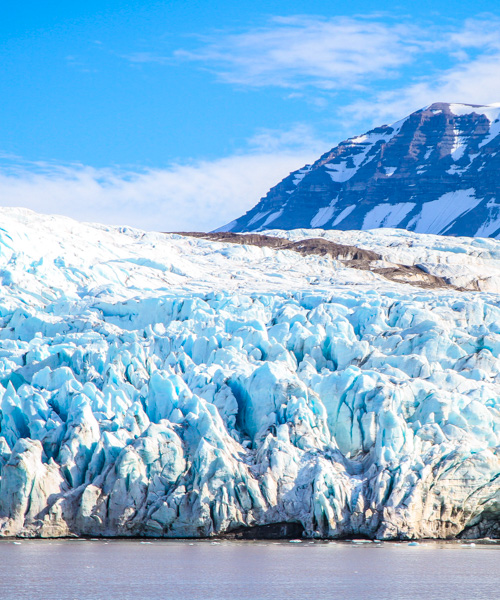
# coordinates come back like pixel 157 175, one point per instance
pixel 223 570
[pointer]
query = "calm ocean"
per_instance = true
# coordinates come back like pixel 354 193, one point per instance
pixel 234 570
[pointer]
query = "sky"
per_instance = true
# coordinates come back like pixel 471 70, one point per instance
pixel 179 116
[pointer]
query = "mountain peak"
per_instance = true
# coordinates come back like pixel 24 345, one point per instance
pixel 435 171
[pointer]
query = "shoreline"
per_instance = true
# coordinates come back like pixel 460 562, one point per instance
pixel 221 539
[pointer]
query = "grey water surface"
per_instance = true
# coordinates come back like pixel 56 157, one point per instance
pixel 207 570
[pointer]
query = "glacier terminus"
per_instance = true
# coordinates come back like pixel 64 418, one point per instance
pixel 173 386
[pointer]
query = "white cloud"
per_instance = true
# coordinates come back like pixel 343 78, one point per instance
pixel 297 139
pixel 472 80
pixel 200 196
pixel 481 32
pixel 297 51
pixel 393 68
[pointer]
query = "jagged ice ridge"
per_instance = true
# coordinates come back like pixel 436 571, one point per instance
pixel 158 385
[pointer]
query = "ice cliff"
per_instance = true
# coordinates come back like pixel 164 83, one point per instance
pixel 161 385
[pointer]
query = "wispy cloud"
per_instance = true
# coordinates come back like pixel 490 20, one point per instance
pixel 376 67
pixel 474 78
pixel 298 51
pixel 198 196
pixel 147 57
pixel 299 139
pixel 480 33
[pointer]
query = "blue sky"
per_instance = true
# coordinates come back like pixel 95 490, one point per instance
pixel 180 115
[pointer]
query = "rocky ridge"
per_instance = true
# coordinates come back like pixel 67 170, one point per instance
pixel 436 171
pixel 349 256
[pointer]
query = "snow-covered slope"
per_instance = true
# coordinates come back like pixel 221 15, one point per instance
pixel 162 385
pixel 437 171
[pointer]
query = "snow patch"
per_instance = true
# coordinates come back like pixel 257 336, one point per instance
pixel 324 214
pixel 347 211
pixel 456 169
pixel 493 222
pixel 387 215
pixel 272 217
pixel 493 133
pixel 436 216
pixel 257 217
pixel 299 175
pixel 491 111
pixel 361 145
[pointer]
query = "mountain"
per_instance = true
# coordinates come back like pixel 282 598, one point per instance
pixel 178 386
pixel 436 171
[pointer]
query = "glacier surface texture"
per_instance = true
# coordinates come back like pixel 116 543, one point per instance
pixel 160 385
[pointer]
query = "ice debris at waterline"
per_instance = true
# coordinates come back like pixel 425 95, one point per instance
pixel 140 399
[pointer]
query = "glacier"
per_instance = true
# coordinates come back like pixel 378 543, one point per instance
pixel 162 385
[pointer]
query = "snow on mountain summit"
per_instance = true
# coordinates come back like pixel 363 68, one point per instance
pixel 436 171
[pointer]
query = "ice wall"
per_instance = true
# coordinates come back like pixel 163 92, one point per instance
pixel 352 410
